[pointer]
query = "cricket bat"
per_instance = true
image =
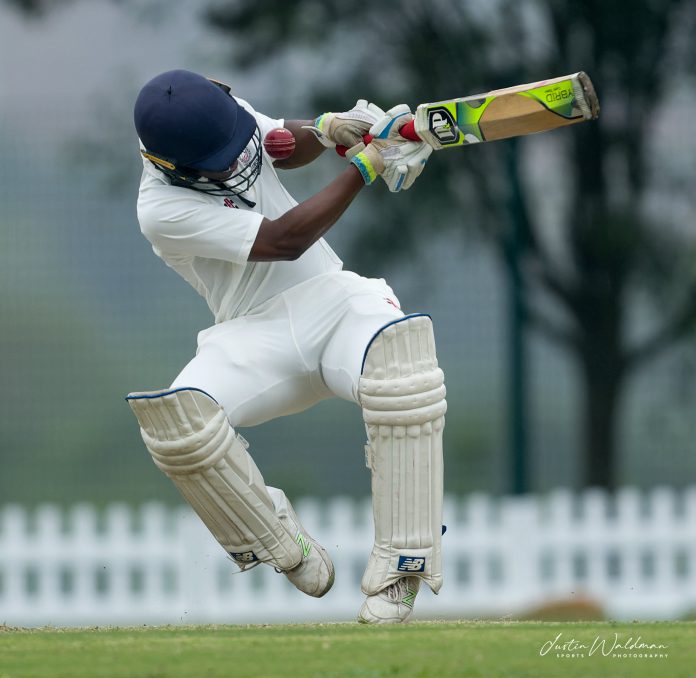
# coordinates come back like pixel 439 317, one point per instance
pixel 504 113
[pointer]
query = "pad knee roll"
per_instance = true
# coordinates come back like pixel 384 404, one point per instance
pixel 191 441
pixel 402 394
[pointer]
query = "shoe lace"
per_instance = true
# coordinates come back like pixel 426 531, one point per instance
pixel 396 591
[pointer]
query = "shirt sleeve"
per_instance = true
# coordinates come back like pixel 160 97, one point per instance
pixel 180 221
pixel 184 224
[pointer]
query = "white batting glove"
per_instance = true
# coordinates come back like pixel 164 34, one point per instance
pixel 399 162
pixel 348 128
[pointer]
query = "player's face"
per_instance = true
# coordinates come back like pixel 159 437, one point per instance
pixel 221 176
pixel 236 179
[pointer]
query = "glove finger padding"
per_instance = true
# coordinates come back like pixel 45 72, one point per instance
pixel 403 163
pixel 397 160
pixel 388 126
pixel 414 158
pixel 347 128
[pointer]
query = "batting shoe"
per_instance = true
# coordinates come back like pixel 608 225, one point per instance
pixel 393 605
pixel 315 573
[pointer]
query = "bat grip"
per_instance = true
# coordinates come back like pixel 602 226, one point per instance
pixel 408 131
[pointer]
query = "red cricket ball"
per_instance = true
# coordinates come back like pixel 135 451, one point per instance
pixel 279 143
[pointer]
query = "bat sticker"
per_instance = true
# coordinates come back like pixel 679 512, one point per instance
pixel 443 125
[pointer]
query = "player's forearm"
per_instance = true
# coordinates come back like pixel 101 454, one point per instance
pixel 307 148
pixel 286 238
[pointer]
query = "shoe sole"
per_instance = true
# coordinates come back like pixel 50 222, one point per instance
pixel 362 620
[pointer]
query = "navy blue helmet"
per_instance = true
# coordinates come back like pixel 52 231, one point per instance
pixel 190 124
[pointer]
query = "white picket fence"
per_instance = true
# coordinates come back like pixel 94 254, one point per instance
pixel 635 553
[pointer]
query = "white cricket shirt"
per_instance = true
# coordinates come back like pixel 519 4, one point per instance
pixel 207 239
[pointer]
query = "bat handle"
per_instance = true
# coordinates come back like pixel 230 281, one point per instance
pixel 408 131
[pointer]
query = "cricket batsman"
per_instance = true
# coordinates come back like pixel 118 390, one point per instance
pixel 291 328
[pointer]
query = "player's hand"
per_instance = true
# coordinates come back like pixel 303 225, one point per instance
pixel 348 128
pixel 398 161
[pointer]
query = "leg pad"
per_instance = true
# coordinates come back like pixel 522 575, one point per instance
pixel 192 442
pixel 402 393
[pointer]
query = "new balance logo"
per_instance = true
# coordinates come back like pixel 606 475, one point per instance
pixel 411 564
pixel 410 597
pixel 304 543
pixel 246 557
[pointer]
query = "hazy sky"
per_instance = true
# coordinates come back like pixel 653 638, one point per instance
pixel 63 61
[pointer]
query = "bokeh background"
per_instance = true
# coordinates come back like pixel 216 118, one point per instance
pixel 558 269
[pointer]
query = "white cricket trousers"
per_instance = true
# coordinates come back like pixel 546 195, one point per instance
pixel 299 347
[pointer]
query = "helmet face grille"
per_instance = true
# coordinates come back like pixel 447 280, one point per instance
pixel 248 170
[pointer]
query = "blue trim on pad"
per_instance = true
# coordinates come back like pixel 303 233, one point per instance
pixel 166 393
pixel 384 327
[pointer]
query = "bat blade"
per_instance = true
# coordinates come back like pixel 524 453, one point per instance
pixel 514 111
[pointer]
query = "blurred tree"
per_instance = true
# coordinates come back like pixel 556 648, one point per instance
pixel 607 257
pixel 35 8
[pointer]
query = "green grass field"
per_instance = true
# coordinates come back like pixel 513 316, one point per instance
pixel 442 649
